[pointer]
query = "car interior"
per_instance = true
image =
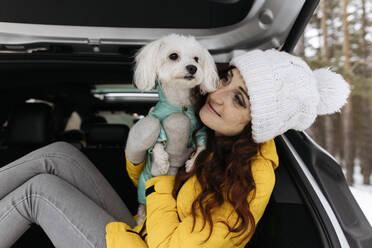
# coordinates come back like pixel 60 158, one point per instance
pixel 36 115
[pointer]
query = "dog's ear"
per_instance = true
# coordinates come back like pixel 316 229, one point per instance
pixel 211 79
pixel 145 69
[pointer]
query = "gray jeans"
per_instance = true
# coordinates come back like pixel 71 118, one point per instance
pixel 58 188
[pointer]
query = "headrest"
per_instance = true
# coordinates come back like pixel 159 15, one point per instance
pixel 30 124
pixel 73 135
pixel 106 134
pixel 92 119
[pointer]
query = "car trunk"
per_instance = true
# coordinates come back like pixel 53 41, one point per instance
pixel 59 51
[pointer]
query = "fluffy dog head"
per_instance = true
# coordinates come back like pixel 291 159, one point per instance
pixel 175 59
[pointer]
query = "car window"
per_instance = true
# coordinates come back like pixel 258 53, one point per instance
pixel 113 13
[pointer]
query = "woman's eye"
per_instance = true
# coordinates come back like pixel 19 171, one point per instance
pixel 196 59
pixel 239 100
pixel 173 56
pixel 226 80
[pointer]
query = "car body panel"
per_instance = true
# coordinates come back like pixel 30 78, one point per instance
pixel 266 25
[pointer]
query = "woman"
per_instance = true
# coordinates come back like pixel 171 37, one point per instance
pixel 217 204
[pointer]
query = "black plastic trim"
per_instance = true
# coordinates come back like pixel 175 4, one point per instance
pixel 298 28
pixel 328 174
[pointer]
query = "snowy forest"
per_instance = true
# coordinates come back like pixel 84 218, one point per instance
pixel 339 36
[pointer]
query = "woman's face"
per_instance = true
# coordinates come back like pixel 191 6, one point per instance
pixel 227 110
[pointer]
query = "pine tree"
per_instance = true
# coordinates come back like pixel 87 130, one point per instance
pixel 325 53
pixel 346 39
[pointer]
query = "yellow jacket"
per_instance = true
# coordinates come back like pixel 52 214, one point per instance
pixel 169 221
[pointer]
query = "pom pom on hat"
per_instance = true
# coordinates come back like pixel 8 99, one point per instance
pixel 333 91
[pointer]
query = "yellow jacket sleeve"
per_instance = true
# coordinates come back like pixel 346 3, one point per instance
pixel 119 234
pixel 165 229
pixel 134 170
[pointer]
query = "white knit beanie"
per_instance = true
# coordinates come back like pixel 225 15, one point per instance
pixel 285 93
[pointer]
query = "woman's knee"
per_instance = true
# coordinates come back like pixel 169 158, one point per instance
pixel 50 187
pixel 44 180
pixel 63 149
pixel 56 147
pixel 62 146
pixel 44 184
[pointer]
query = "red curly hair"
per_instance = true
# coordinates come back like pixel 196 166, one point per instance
pixel 225 176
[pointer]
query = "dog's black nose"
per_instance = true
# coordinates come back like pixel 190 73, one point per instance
pixel 191 69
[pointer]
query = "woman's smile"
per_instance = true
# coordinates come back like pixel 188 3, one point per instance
pixel 212 109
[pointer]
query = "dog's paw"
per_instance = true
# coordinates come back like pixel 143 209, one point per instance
pixel 141 214
pixel 161 159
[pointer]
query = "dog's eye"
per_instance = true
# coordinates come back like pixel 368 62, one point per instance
pixel 173 56
pixel 196 59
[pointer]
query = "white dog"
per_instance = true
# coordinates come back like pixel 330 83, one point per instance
pixel 175 64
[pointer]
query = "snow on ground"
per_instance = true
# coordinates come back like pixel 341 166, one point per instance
pixel 364 199
pixel 362 193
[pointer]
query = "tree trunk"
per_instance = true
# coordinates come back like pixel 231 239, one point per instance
pixel 356 133
pixel 337 140
pixel 328 129
pixel 366 142
pixel 348 149
pixel 346 43
pixel 317 131
pixel 332 28
pixel 318 27
pixel 325 53
pixel 300 47
pixel 364 33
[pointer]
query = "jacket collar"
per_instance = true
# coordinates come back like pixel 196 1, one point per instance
pixel 268 151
